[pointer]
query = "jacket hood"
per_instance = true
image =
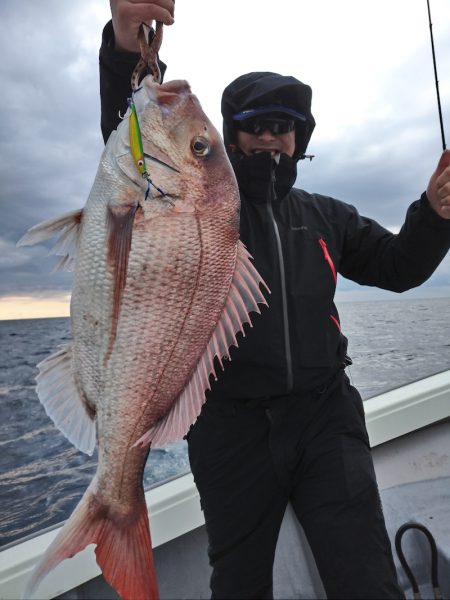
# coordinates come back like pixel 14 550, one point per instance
pixel 263 88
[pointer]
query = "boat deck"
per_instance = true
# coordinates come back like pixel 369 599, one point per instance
pixel 413 473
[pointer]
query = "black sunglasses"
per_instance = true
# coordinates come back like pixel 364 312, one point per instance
pixel 257 125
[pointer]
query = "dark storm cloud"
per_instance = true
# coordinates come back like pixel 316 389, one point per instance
pixel 50 140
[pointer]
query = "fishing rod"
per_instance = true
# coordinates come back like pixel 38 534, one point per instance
pixel 436 77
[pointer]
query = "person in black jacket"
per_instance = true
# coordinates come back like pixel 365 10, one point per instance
pixel 282 423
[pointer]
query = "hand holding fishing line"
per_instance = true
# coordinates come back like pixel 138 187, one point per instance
pixel 128 15
pixel 438 191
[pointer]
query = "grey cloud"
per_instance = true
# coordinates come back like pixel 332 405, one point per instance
pixel 381 169
pixel 384 164
pixel 10 256
pixel 50 140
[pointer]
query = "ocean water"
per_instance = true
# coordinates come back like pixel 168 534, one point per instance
pixel 42 477
pixel 396 342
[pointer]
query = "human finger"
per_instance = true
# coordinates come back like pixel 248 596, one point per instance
pixel 127 16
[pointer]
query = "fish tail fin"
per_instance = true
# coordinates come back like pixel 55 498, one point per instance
pixel 124 551
pixel 126 558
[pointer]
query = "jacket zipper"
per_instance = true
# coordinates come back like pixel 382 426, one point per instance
pixel 287 340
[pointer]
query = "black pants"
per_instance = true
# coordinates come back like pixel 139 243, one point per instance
pixel 249 459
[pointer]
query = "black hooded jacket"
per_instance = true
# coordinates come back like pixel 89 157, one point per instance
pixel 299 242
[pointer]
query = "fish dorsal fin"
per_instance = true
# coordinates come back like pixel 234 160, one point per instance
pixel 244 296
pixel 63 401
pixel 67 228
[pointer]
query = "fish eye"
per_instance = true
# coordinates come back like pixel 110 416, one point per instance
pixel 200 146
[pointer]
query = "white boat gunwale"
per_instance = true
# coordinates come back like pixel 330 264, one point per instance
pixel 174 506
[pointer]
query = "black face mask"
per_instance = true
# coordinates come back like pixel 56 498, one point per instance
pixel 257 125
pixel 254 174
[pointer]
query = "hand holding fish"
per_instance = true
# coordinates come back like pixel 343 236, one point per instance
pixel 438 191
pixel 127 16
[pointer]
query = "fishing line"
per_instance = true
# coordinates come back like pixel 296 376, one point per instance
pixel 436 77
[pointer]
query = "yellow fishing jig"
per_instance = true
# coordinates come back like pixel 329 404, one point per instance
pixel 137 149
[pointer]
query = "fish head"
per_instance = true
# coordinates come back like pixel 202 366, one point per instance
pixel 184 155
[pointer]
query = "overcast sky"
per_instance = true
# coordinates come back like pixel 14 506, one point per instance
pixel 376 142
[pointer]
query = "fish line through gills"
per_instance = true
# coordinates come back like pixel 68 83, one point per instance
pixel 161 288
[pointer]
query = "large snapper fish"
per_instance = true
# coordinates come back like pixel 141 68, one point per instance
pixel 162 285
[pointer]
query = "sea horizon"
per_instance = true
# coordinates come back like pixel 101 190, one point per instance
pixel 357 294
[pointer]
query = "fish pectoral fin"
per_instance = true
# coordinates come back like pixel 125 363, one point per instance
pixel 64 402
pixel 243 297
pixel 67 228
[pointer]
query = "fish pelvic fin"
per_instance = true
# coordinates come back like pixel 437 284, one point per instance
pixel 64 402
pixel 244 297
pixel 67 229
pixel 123 547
